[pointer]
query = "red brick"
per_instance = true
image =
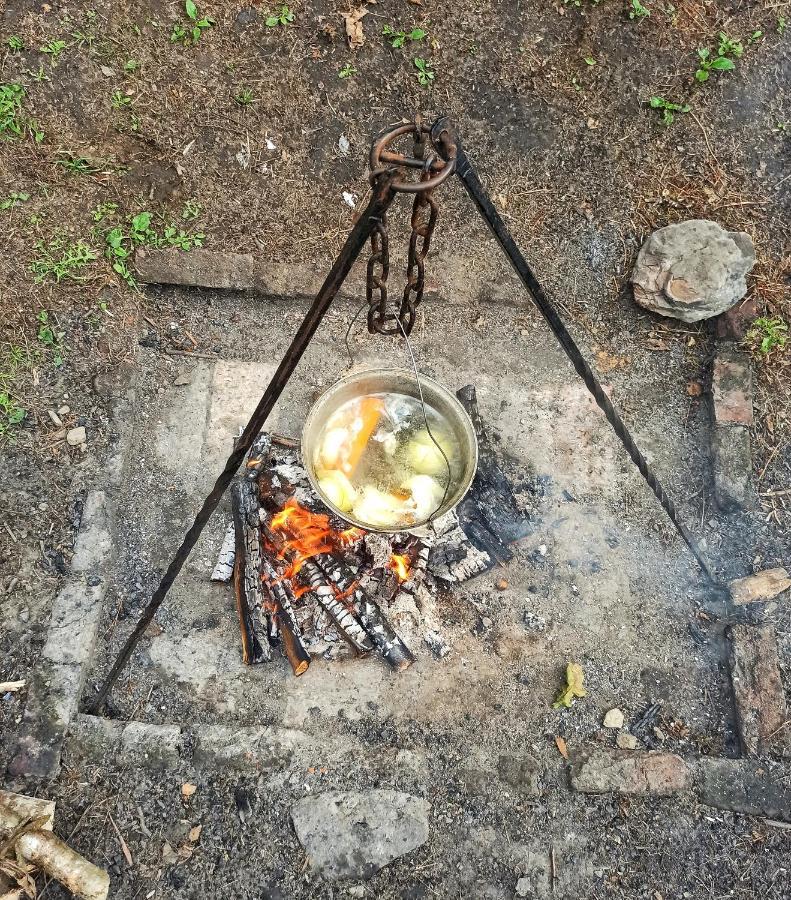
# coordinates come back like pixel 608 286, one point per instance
pixel 598 771
pixel 734 324
pixel 761 708
pixel 732 389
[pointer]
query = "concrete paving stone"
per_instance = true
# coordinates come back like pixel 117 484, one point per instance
pixel 762 586
pixel 74 625
pixel 744 786
pixel 94 736
pixel 198 268
pixel 93 549
pixel 522 772
pixel 596 771
pixel 353 834
pixel 732 388
pixel 761 708
pixel 52 702
pixel 254 749
pixel 153 744
pixel 732 465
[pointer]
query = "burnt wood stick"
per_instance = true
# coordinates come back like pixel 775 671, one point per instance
pixel 351 630
pixel 387 642
pixel 283 613
pixel 247 575
pixel 417 572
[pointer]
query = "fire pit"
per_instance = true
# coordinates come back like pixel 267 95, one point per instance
pixel 307 582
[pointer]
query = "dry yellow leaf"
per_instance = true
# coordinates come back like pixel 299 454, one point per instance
pixel 187 789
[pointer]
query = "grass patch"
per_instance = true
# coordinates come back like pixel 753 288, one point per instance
pixel 58 260
pixel 13 361
pixel 767 335
pixel 13 121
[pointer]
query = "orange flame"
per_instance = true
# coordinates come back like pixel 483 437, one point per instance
pixel 400 565
pixel 305 534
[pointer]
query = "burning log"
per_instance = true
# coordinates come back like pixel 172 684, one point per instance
pixel 37 845
pixel 247 571
pixel 282 612
pixel 387 642
pixel 350 629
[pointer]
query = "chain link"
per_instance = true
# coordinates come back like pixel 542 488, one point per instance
pixel 379 318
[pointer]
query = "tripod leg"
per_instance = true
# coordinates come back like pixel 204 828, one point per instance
pixel 381 199
pixel 446 140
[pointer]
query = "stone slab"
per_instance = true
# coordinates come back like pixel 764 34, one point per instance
pixel 761 708
pixel 351 834
pixel 732 465
pixel 153 744
pixel 257 749
pixel 732 388
pixel 93 547
pixel 598 771
pixel 196 268
pixel 744 786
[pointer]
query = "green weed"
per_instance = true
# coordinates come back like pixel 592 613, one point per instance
pixel 192 209
pixel 193 31
pixel 244 97
pixel 398 37
pixel 13 360
pixel 668 109
pixel 638 11
pixel 120 100
pixel 13 199
pixel 282 18
pixel 131 65
pixel 103 210
pixel 50 337
pixel 347 71
pixel 79 165
pixel 768 334
pixel 425 73
pixel 12 122
pixel 15 43
pixel 781 25
pixel 719 62
pixel 60 260
pixel 53 49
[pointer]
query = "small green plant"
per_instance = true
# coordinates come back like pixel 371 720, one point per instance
pixel 398 37
pixel 13 199
pixel 53 49
pixel 15 43
pixel 781 25
pixel 768 334
pixel 782 127
pixel 668 109
pixel 40 74
pixel 244 97
pixel 197 25
pixel 120 100
pixel 590 61
pixel 131 65
pixel 756 36
pixel 50 337
pixel 425 74
pixel 13 360
pixel 720 62
pixel 638 11
pixel 103 210
pixel 347 71
pixel 13 122
pixel 11 413
pixel 192 209
pixel 282 18
pixel 60 260
pixel 78 165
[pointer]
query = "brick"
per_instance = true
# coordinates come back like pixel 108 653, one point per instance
pixel 197 268
pixel 734 324
pixel 732 465
pixel 761 709
pixel 256 749
pixel 744 786
pixel 732 388
pixel 598 771
pixel 762 586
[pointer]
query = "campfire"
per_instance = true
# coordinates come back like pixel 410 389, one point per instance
pixel 306 582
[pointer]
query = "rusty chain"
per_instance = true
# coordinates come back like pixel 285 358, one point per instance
pixel 425 210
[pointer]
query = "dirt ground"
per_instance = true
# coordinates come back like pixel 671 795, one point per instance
pixel 242 137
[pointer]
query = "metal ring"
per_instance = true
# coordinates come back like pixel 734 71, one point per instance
pixel 380 145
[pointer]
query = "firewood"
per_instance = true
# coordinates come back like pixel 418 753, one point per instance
pixel 247 572
pixel 41 848
pixel 387 642
pixel 223 570
pixel 347 624
pixel 283 612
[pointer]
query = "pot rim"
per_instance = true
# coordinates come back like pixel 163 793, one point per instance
pixel 419 528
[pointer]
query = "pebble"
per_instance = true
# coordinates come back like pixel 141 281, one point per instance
pixel 183 378
pixel 76 436
pixel 24 614
pixel 64 410
pixel 357 890
pixel 523 887
pixel 486 622
pixel 502 584
pixel 55 418
pixel 613 719
pixel 626 741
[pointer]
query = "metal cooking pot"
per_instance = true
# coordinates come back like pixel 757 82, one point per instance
pixel 398 381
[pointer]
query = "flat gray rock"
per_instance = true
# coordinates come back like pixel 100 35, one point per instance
pixel 692 270
pixel 350 834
